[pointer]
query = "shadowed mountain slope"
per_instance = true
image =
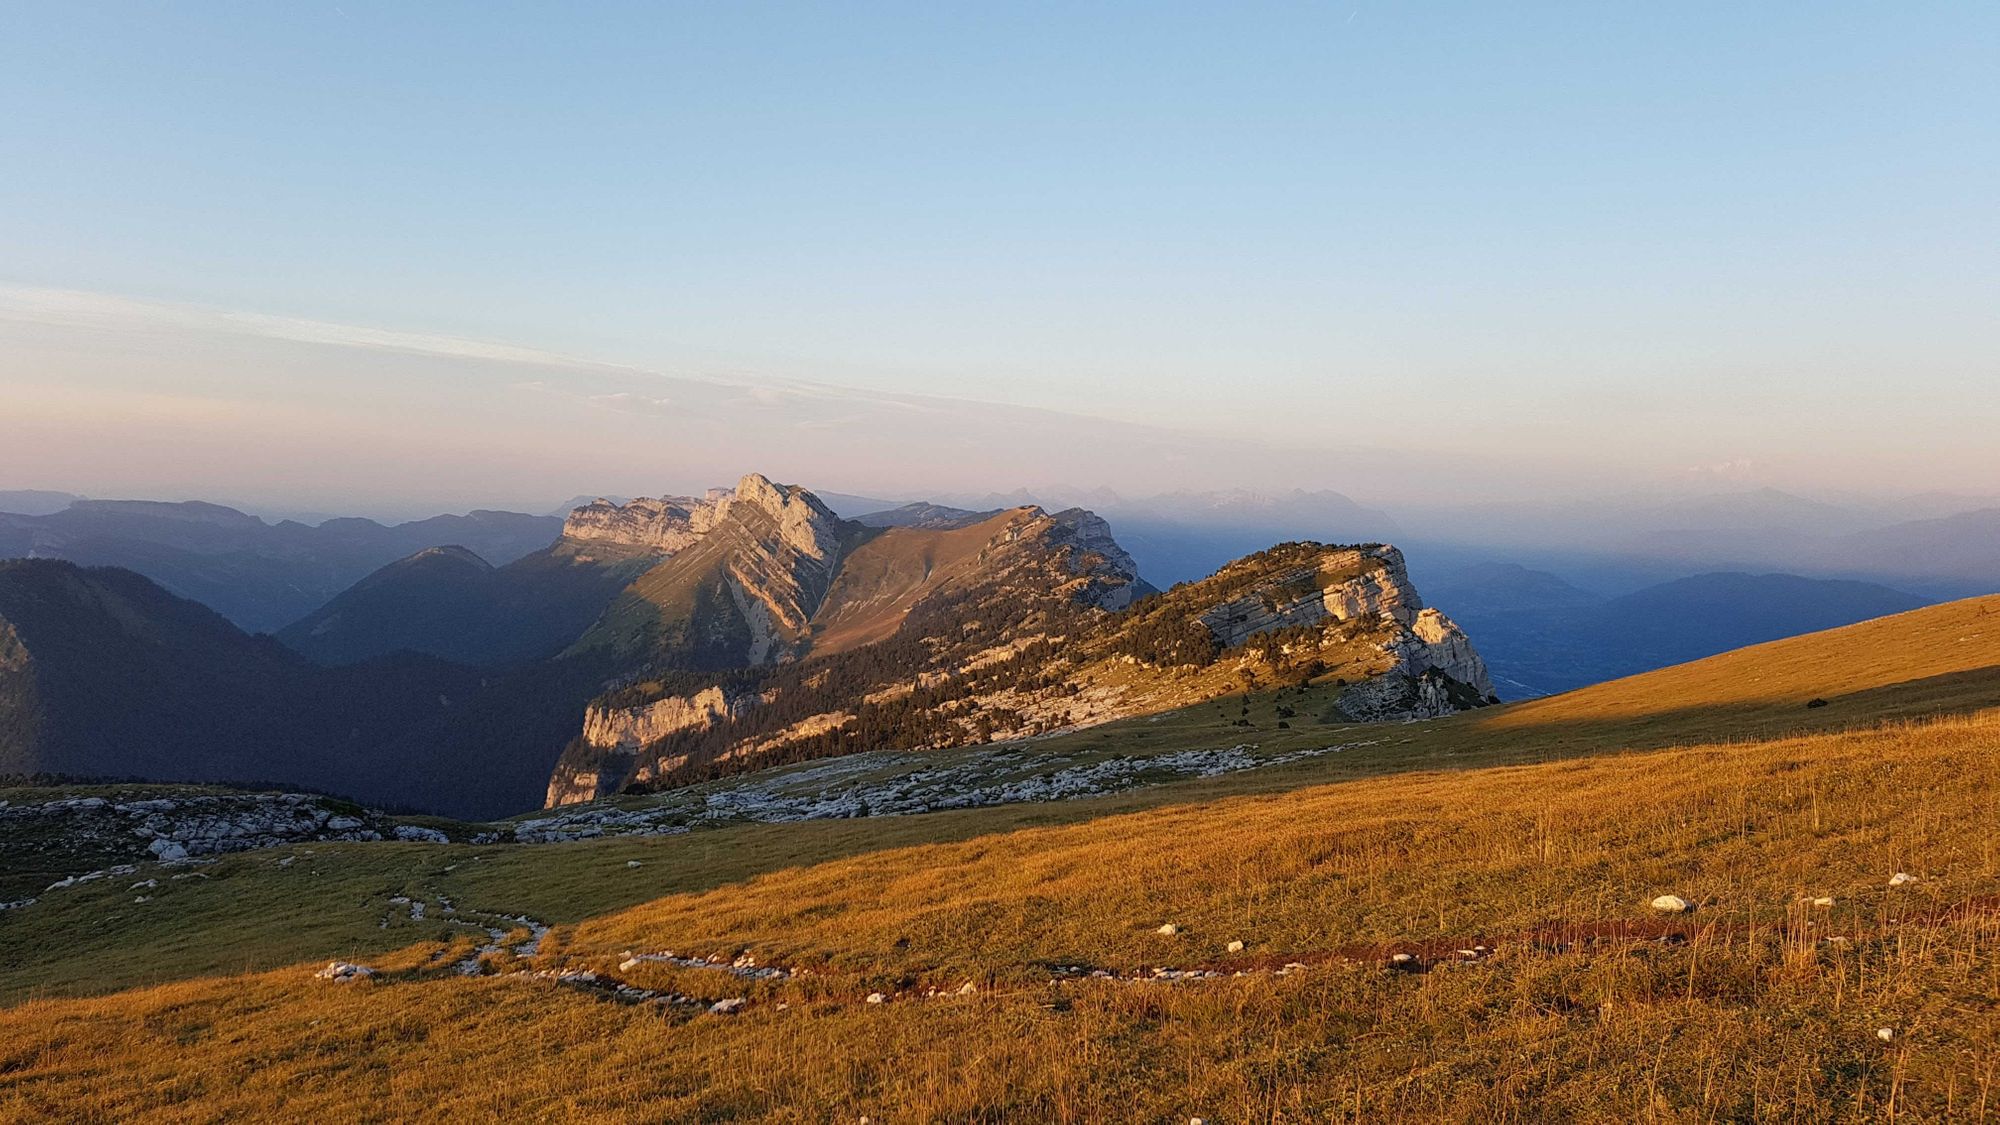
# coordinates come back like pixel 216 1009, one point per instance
pixel 261 576
pixel 446 601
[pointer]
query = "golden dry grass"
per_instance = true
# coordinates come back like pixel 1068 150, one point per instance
pixel 1582 1013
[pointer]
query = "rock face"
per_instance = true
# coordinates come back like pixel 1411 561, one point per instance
pixel 1369 585
pixel 1340 585
pixel 669 524
pixel 666 523
pixel 1094 553
pixel 614 736
pixel 628 728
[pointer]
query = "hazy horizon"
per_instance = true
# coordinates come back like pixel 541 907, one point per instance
pixel 363 258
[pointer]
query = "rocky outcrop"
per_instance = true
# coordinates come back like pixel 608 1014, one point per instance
pixel 585 773
pixel 628 728
pixel 668 524
pixel 1094 554
pixel 1343 584
pixel 1432 668
pixel 1436 643
pixel 610 756
pixel 665 524
pixel 744 569
pixel 175 826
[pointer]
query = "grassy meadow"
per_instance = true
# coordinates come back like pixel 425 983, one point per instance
pixel 1533 835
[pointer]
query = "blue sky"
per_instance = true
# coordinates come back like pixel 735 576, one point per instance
pixel 1531 246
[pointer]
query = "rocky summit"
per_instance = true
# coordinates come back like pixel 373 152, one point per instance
pixel 939 632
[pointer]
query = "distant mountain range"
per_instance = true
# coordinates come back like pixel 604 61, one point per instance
pixel 660 641
pixel 34 502
pixel 1935 546
pixel 259 575
pixel 1542 635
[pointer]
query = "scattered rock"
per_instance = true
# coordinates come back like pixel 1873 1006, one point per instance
pixel 633 863
pixel 967 989
pixel 418 834
pixel 1885 1034
pixel 1813 703
pixel 1169 929
pixel 1822 901
pixel 1901 878
pixel 855 785
pixel 728 1007
pixel 877 998
pixel 1234 947
pixel 344 972
pixel 1672 904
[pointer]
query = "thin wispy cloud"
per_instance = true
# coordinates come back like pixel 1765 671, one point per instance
pixel 110 313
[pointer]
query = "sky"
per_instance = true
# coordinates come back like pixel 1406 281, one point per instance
pixel 362 257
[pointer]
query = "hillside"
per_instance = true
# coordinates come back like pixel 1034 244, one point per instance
pixel 1506 855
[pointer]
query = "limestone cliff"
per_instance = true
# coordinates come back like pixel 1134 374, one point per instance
pixel 1370 584
pixel 628 728
pixel 614 736
pixel 666 523
pixel 741 574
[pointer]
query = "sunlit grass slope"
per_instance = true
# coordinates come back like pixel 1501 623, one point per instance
pixel 1539 831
